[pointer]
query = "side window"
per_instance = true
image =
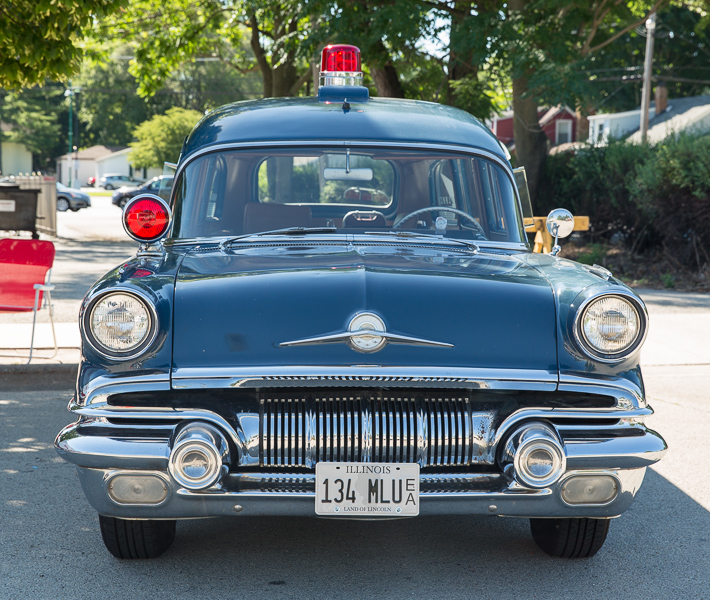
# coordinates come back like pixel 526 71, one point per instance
pixel 487 183
pixel 215 183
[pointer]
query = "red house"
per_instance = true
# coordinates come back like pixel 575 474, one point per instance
pixel 558 123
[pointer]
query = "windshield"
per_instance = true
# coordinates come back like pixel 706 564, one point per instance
pixel 357 190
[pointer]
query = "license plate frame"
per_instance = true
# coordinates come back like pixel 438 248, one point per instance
pixel 367 489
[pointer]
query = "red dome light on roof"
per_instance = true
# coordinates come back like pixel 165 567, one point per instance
pixel 340 66
pixel 146 218
pixel 340 58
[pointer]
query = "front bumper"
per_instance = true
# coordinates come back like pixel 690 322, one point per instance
pixel 110 440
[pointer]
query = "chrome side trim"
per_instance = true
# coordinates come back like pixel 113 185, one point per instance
pixel 628 394
pixel 616 453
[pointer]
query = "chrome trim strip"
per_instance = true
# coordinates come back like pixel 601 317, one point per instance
pixel 344 144
pixel 362 375
pixel 628 394
pixel 347 335
pixel 616 453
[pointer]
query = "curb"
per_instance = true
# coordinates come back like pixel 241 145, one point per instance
pixel 54 376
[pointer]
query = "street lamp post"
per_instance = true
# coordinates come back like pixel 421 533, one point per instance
pixel 70 92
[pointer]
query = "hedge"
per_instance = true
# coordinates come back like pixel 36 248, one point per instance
pixel 645 197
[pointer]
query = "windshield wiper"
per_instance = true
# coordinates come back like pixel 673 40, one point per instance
pixel 287 231
pixel 471 246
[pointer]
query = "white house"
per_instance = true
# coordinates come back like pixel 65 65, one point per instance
pixel 14 158
pixel 97 161
pixel 615 125
pixel 666 118
pixel 682 115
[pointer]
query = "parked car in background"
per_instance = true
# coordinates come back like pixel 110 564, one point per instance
pixel 338 314
pixel 91 181
pixel 71 199
pixel 112 181
pixel 160 186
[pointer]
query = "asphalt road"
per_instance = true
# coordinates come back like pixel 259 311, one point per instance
pixel 50 545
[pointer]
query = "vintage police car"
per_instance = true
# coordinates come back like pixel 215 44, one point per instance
pixel 338 314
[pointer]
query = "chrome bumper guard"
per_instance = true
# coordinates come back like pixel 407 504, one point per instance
pixel 103 444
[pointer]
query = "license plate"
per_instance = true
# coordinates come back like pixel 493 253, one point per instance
pixel 367 489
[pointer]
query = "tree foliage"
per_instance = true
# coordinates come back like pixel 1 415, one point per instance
pixel 39 39
pixel 160 139
pixel 37 120
pixel 267 36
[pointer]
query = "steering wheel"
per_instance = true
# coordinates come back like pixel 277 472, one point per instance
pixel 461 213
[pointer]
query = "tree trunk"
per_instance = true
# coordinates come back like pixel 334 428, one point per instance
pixel 530 140
pixel 460 54
pixel 387 81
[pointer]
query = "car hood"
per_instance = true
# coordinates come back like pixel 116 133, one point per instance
pixel 244 308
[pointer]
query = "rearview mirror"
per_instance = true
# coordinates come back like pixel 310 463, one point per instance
pixel 347 174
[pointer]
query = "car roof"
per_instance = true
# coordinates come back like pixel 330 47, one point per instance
pixel 308 119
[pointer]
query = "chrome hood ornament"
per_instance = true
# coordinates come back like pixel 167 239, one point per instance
pixel 366 333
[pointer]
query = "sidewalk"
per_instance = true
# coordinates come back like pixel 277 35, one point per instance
pixel 89 243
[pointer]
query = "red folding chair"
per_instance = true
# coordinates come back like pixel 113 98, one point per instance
pixel 25 269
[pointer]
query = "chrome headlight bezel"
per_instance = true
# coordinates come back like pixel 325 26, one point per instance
pixel 105 351
pixel 620 355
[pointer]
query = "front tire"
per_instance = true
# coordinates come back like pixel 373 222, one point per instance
pixel 62 204
pixel 570 538
pixel 131 539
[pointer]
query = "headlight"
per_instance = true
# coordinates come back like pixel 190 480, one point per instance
pixel 121 324
pixel 611 326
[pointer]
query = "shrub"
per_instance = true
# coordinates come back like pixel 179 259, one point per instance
pixel 644 196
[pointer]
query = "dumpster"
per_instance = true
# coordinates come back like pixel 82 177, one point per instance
pixel 18 209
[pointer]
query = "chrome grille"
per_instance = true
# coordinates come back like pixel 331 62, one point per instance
pixel 360 427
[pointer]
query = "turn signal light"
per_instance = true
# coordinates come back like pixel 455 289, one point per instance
pixel 146 218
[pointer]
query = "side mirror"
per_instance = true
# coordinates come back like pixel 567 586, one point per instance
pixel 560 223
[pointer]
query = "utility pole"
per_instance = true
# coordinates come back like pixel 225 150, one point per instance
pixel 69 93
pixel 647 68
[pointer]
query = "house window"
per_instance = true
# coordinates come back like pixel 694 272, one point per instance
pixel 563 131
pixel 600 132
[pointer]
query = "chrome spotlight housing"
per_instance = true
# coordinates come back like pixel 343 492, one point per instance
pixel 536 455
pixel 199 457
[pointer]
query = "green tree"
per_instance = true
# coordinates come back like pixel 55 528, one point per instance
pixel 160 139
pixel 267 36
pixel 111 109
pixel 38 120
pixel 39 39
pixel 547 46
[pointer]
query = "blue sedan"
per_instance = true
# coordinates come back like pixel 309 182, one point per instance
pixel 337 313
